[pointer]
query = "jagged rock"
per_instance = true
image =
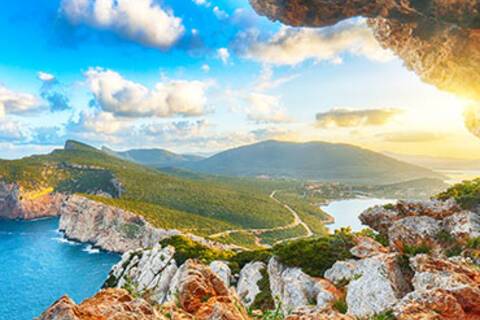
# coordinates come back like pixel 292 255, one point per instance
pixel 201 293
pixel 367 247
pixel 379 218
pixel 455 276
pixel 107 304
pixel 377 286
pixel 342 271
pixel 107 227
pixel 222 270
pixel 439 40
pixel 247 286
pixel 16 204
pixel 293 289
pixel 464 225
pixel 436 209
pixel 149 270
pixel 414 231
pixel 429 305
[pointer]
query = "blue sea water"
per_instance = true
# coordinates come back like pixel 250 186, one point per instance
pixel 38 266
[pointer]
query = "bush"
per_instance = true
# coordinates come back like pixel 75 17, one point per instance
pixel 240 259
pixel 414 250
pixel 315 256
pixel 185 249
pixel 467 194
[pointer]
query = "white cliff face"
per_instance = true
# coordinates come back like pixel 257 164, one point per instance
pixel 295 290
pixel 149 270
pixel 247 286
pixel 27 206
pixel 107 227
pixel 376 286
pixel 222 270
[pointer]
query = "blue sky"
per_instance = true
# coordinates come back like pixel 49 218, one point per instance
pixel 199 76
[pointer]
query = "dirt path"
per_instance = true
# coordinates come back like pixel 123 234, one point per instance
pixel 256 232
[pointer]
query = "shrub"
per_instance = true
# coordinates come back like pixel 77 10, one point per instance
pixel 367 232
pixel 341 305
pixel 186 248
pixel 467 194
pixel 240 259
pixel 412 250
pixel 315 256
pixel 474 243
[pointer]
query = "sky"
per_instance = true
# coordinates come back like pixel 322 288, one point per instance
pixel 200 76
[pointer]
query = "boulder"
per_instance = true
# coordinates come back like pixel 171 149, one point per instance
pixel 149 270
pixel 436 209
pixel 379 218
pixel 201 293
pixel 222 270
pixel 378 285
pixel 247 286
pixel 292 289
pixel 457 276
pixel 367 247
pixel 463 225
pixel 414 231
pixel 343 271
pixel 429 304
pixel 107 304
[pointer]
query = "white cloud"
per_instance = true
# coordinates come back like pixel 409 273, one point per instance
pixel 219 13
pixel 347 118
pixel 291 46
pixel 205 68
pixel 143 21
pixel 223 54
pixel 13 131
pixel 264 108
pixel 16 102
pixel 202 3
pixel 45 77
pixel 122 97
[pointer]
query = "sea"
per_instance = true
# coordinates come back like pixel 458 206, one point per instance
pixel 38 266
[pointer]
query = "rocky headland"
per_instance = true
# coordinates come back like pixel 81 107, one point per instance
pixel 422 262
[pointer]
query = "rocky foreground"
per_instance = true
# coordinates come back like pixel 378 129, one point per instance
pixel 421 263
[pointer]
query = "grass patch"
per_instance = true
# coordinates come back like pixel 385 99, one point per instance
pixel 271 237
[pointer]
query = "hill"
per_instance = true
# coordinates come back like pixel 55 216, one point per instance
pixel 156 158
pixel 200 206
pixel 311 161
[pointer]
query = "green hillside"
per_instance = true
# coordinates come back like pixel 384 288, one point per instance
pixel 199 206
pixel 156 158
pixel 311 161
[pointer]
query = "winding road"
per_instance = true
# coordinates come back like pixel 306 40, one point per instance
pixel 296 221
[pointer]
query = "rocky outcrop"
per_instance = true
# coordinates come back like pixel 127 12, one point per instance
pixel 377 284
pixel 439 39
pixel 434 224
pixel 247 286
pixel 149 270
pixel 222 270
pixel 17 204
pixel 107 304
pixel 367 247
pixel 292 289
pixel 107 227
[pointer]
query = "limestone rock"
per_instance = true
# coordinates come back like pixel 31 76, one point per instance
pixel 343 271
pixel 107 227
pixel 328 314
pixel 455 276
pixel 464 225
pixel 107 304
pixel 367 247
pixel 16 204
pixel 378 286
pixel 149 270
pixel 294 289
pixel 201 293
pixel 379 218
pixel 222 270
pixel 429 304
pixel 247 286
pixel 439 40
pixel 414 231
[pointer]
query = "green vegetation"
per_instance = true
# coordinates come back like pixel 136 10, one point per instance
pixel 315 256
pixel 367 232
pixel 313 161
pixel 240 259
pixel 200 206
pixel 264 300
pixel 186 248
pixel 411 250
pixel 271 237
pixel 244 239
pixel 311 214
pixel 467 194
